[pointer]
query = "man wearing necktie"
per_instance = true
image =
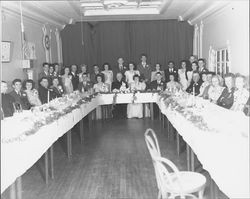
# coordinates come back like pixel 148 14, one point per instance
pixel 145 69
pixel 171 71
pixel 120 67
pixel 20 97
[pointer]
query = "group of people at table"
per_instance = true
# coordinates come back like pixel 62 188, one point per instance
pixel 192 77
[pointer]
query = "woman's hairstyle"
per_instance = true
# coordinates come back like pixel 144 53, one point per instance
pixel 45 63
pixel 158 64
pixel 220 79
pixel 84 65
pixel 103 66
pixel 132 64
pixel 99 75
pixel 28 81
pixel 52 66
pixel 66 67
pixel 184 61
pixel 202 59
pixel 136 76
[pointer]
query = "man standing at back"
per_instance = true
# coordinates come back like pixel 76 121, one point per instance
pixel 75 78
pixel 171 70
pixel 145 69
pixel 120 67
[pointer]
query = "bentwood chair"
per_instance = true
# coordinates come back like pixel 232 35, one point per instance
pixel 177 182
pixel 154 150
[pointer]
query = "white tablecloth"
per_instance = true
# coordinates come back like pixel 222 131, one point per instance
pixel 225 157
pixel 17 157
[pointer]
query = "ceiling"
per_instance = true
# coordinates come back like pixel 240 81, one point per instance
pixel 60 13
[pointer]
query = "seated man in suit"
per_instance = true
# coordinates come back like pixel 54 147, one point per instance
pixel 45 72
pixel 144 69
pixel 75 78
pixel 85 85
pixel 158 84
pixel 45 94
pixel 7 101
pixel 171 70
pixel 20 97
pixel 194 87
pixel 120 110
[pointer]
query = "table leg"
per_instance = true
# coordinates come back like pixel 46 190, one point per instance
pixel 188 157
pixel 152 111
pixel 19 187
pixel 51 150
pixel 177 143
pixel 192 159
pixel 90 121
pixel 81 131
pixel 69 144
pixel 46 168
pixel 13 191
pixel 213 189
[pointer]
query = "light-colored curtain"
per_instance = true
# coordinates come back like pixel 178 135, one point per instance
pixel 212 59
pixel 196 40
pixel 200 39
pixel 59 46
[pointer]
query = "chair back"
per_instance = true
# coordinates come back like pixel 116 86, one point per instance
pixel 152 143
pixel 169 180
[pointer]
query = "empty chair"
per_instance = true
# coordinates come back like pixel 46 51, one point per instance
pixel 177 182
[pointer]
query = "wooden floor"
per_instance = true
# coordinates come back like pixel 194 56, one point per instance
pixel 112 163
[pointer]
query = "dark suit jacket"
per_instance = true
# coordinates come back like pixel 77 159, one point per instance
pixel 196 88
pixel 7 105
pixel 85 87
pixel 167 73
pixel 117 85
pixel 145 73
pixel 56 92
pixel 226 99
pixel 204 70
pixel 21 99
pixel 43 74
pixel 117 69
pixel 154 85
pixel 75 81
pixel 43 94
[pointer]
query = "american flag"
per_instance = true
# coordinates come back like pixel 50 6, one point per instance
pixel 25 47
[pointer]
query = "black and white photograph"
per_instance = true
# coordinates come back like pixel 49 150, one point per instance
pixel 125 99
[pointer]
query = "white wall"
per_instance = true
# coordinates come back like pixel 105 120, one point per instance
pixel 232 24
pixel 11 31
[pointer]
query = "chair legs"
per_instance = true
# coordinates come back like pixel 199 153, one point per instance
pixel 200 193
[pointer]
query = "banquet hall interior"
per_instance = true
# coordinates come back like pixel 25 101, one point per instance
pixel 125 99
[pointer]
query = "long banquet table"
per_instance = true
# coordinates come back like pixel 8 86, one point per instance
pixel 225 157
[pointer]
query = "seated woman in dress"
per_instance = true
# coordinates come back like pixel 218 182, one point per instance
pixel 241 94
pixel 226 99
pixel 108 74
pixel 57 89
pixel 100 86
pixel 194 68
pixel 216 89
pixel 66 81
pixel 84 69
pixel 204 84
pixel 157 69
pixel 172 85
pixel 129 74
pixel 182 75
pixel 85 85
pixel 32 93
pixel 194 87
pixel 136 109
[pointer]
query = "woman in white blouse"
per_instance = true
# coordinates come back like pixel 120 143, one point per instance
pixel 241 94
pixel 66 80
pixel 136 109
pixel 194 66
pixel 129 74
pixel 108 75
pixel 216 88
